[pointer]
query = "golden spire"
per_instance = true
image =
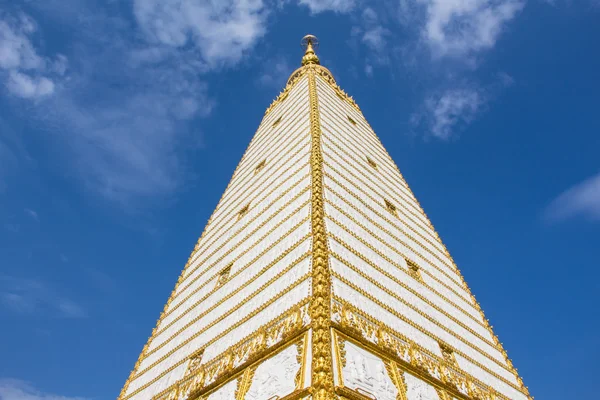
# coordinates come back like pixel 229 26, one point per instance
pixel 309 56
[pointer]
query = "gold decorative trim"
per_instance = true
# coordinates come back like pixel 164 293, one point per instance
pixel 399 282
pixel 320 306
pixel 398 228
pixel 236 305
pixel 221 335
pixel 274 145
pixel 397 378
pixel 215 236
pixel 215 321
pixel 352 193
pixel 244 383
pixel 415 325
pixel 401 254
pixel 389 344
pixel 249 235
pixel 326 77
pixel 506 368
pixel 397 186
pixel 421 210
pixel 370 232
pixel 247 354
pixel 243 253
pixel 416 309
pixel 228 216
pixel 405 204
pixel 283 254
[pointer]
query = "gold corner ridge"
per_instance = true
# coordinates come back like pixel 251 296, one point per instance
pixel 320 305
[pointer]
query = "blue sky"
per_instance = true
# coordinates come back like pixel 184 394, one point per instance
pixel 121 123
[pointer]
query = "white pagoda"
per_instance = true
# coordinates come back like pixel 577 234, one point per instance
pixel 319 276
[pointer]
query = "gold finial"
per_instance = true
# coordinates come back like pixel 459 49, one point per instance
pixel 310 57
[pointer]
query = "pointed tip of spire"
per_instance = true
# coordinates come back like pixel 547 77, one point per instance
pixel 308 42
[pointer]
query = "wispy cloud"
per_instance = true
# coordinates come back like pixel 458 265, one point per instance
pixel 123 115
pixel 452 37
pixel 447 111
pixel 221 31
pixel 32 297
pixel 15 389
pixel 25 73
pixel 463 28
pixel 319 6
pixel 581 200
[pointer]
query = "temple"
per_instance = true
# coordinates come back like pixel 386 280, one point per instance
pixel 319 276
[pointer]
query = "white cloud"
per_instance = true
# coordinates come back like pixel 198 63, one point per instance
pixel 221 30
pixel 26 73
pixel 30 296
pixel 14 389
pixel 319 6
pixel 27 86
pixel 451 109
pixel 464 27
pixel 582 200
pixel 123 113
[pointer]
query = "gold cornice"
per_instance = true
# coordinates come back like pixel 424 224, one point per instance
pixel 243 320
pixel 268 340
pixel 382 340
pixel 320 305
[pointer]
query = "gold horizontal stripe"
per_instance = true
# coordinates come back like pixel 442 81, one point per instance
pixel 428 317
pixel 283 221
pixel 231 210
pixel 246 172
pixel 349 248
pixel 266 139
pixel 250 219
pixel 235 306
pixel 380 215
pixel 369 135
pixel 242 229
pixel 363 147
pixel 375 321
pixel 406 203
pixel 376 178
pixel 300 303
pixel 498 346
pixel 286 290
pixel 266 131
pixel 372 143
pixel 390 234
pixel 413 324
pixel 376 184
pixel 239 271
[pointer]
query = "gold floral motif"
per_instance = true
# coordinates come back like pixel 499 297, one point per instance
pixel 320 306
pixel 397 378
pixel 244 383
pixel 298 379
